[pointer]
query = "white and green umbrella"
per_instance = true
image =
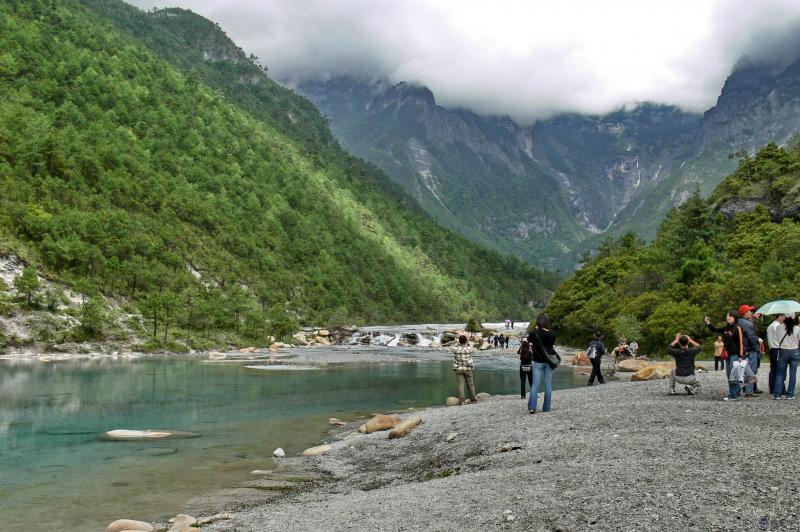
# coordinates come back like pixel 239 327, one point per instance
pixel 784 306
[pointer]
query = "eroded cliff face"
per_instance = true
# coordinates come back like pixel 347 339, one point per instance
pixel 551 190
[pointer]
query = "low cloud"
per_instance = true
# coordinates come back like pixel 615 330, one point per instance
pixel 526 59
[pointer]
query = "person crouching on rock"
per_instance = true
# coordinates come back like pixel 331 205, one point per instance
pixel 525 366
pixel 463 366
pixel 685 350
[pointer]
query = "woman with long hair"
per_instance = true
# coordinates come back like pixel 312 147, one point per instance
pixel 541 340
pixel 732 337
pixel 788 357
pixel 525 366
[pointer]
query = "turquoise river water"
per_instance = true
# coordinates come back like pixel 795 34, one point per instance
pixel 57 472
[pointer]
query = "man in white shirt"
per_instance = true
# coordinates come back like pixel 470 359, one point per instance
pixel 774 333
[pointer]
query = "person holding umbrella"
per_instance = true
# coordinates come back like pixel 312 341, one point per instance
pixel 784 343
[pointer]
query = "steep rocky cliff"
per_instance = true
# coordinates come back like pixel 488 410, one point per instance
pixel 550 191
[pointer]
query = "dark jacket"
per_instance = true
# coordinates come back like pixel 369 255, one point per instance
pixel 730 337
pixel 541 341
pixel 750 336
pixel 600 348
pixel 525 355
pixel 684 359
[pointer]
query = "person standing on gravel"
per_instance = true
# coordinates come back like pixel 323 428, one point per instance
pixel 775 338
pixel 542 340
pixel 751 344
pixel 463 367
pixel 733 338
pixel 595 352
pixel 788 358
pixel 684 350
pixel 525 366
pixel 719 347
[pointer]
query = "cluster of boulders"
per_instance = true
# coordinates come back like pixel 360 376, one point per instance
pixel 179 523
pixel 454 401
pixel 396 426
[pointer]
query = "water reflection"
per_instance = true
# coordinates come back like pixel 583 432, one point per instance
pixel 52 416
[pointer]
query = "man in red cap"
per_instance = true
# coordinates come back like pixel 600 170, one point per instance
pixel 751 344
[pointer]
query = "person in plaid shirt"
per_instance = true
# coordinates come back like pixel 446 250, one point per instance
pixel 463 366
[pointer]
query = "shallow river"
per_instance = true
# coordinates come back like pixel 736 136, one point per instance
pixel 57 472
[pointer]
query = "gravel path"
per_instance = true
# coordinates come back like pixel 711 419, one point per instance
pixel 623 456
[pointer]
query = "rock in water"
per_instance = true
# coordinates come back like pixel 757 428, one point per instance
pixel 138 435
pixel 405 427
pixel 382 422
pixel 279 453
pixel 182 522
pixel 362 429
pixel 315 451
pixel 482 395
pixel 451 401
pixel 336 421
pixel 121 525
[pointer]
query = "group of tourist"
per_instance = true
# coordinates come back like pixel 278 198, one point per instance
pixel 742 349
pixel 737 349
pixel 500 340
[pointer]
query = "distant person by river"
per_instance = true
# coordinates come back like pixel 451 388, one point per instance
pixel 463 367
pixel 595 352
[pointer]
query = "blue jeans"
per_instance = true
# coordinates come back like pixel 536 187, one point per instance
pixel 733 387
pixel 786 358
pixel 752 361
pixel 541 371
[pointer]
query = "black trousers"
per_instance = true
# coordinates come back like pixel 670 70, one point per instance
pixel 522 376
pixel 596 371
pixel 718 363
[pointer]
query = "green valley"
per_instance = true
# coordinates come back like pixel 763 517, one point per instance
pixel 187 200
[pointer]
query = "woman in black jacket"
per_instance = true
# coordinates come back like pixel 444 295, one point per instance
pixel 525 366
pixel 541 340
pixel 733 338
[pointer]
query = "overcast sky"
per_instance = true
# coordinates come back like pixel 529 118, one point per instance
pixel 525 58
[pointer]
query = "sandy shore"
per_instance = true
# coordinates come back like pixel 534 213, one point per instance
pixel 624 456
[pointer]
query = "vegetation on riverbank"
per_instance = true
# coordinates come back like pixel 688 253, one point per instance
pixel 740 246
pixel 210 209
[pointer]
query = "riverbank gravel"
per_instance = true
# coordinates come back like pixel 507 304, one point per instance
pixel 621 456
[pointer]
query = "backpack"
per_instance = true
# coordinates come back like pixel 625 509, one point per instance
pixel 592 351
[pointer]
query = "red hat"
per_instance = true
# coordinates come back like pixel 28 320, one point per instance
pixel 744 308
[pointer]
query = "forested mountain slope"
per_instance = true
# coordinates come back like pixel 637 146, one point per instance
pixel 742 245
pixel 212 209
pixel 550 191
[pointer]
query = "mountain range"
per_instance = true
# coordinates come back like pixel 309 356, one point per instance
pixel 151 166
pixel 551 191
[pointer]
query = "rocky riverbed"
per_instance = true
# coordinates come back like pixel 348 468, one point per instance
pixel 623 456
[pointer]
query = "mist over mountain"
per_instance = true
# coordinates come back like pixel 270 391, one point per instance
pixel 550 191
